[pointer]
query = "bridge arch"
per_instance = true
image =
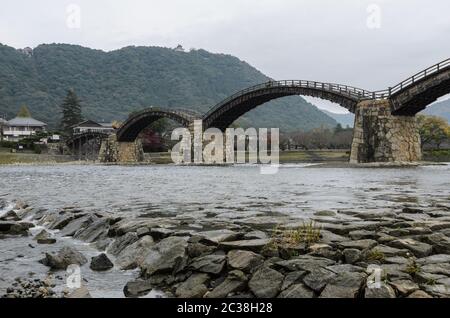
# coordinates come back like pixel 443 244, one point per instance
pixel 418 91
pixel 226 112
pixel 80 139
pixel 130 129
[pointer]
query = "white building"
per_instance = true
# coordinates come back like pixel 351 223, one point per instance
pixel 92 126
pixel 21 127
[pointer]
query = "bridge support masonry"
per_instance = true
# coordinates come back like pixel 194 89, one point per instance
pixel 113 151
pixel 380 136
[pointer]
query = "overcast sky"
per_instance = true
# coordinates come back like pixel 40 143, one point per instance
pixel 368 44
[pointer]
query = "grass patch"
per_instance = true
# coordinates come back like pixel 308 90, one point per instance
pixel 375 255
pixel 308 233
pixel 412 267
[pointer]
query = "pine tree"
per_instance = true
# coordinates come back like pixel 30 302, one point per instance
pixel 71 112
pixel 24 112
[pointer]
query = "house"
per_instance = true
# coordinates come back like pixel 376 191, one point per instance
pixel 92 126
pixel 22 127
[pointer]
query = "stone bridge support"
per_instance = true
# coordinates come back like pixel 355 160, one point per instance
pixel 113 151
pixel 380 136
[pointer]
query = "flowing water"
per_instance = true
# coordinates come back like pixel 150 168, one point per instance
pixel 233 191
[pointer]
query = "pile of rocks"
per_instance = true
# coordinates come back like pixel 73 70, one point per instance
pixel 372 254
pixel 30 288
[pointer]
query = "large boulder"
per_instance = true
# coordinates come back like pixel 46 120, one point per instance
pixel 236 281
pixel 137 288
pixel 44 237
pixel 193 287
pixel 169 255
pixel 297 291
pixel 77 224
pixel 246 261
pixel 61 221
pixel 419 249
pixel 65 257
pixel 318 278
pixel 382 291
pixel 212 264
pixel 96 231
pixel 101 263
pixel 15 228
pixel 251 245
pixel 133 255
pixel 345 285
pixel 218 236
pixel 305 263
pixel 266 283
pixel 121 242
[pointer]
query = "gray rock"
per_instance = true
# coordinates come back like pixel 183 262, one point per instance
pixel 384 291
pixel 292 278
pixel 325 213
pixel 10 216
pixel 159 233
pixel 101 263
pixel 169 255
pixel 81 292
pixel 212 264
pixel 245 261
pixel 251 245
pixel 388 251
pixel 255 235
pixel 198 249
pixel 434 259
pixel 193 287
pixel 137 288
pixel 61 221
pixel 15 228
pixel 363 235
pixel 133 255
pixel 219 236
pixel 97 230
pixel 419 249
pixel 44 237
pixel 318 278
pixel 305 263
pixel 121 242
pixel 65 257
pixel 441 268
pixel 419 294
pixel 405 287
pixel 266 283
pixel 236 281
pixel 345 268
pixel 438 290
pixel 77 224
pixel 440 243
pixel 352 255
pixel 297 291
pixel 326 251
pixel 359 244
pixel 345 285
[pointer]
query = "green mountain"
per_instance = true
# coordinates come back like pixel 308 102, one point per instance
pixel 343 119
pixel 113 84
pixel 440 109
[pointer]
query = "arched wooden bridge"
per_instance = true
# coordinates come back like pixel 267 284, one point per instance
pixel 406 98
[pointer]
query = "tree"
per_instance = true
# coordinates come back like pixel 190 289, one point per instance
pixel 432 130
pixel 71 112
pixel 24 112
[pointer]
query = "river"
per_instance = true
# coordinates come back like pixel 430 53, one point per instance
pixel 227 192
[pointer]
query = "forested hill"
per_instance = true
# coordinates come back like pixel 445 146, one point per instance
pixel 113 84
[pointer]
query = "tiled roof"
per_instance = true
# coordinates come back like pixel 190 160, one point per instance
pixel 26 121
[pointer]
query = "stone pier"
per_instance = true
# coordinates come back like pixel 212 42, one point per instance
pixel 380 136
pixel 120 152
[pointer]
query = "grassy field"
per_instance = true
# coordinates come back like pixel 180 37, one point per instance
pixel 301 156
pixel 6 157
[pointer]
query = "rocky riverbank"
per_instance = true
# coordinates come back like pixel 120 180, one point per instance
pixel 347 253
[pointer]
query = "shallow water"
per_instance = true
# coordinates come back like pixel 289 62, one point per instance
pixel 226 192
